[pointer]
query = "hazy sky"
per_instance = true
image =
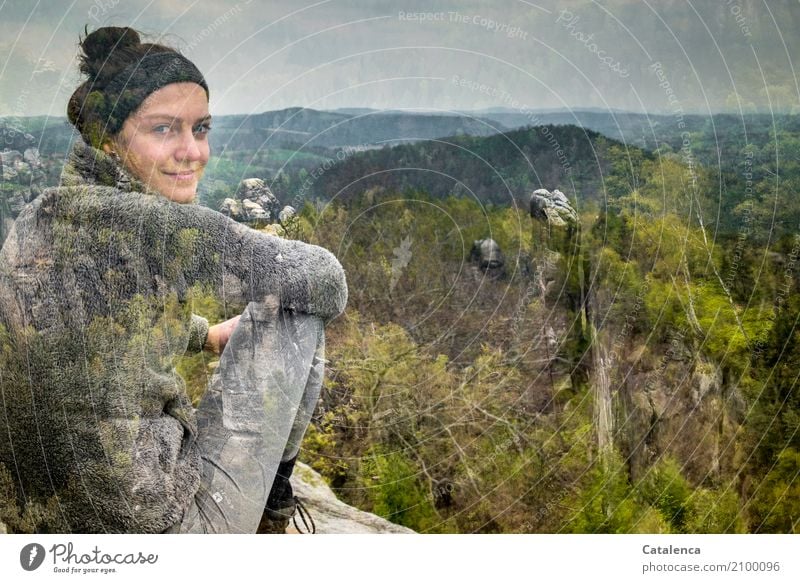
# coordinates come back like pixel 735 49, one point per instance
pixel 663 56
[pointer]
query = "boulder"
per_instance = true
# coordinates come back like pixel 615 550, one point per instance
pixel 231 208
pixel 331 515
pixel 487 253
pixel 287 214
pixel 16 202
pixel 10 162
pixel 31 156
pixel 10 158
pixel 552 208
pixel 256 191
pixel 15 139
pixel 254 212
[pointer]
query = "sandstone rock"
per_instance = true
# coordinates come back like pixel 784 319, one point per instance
pixel 273 229
pixel 24 169
pixel 254 211
pixel 256 191
pixel 15 139
pixel 667 399
pixel 31 156
pixel 10 158
pixel 9 163
pixel 557 245
pixel 487 253
pixel 231 208
pixel 706 379
pixel 332 516
pixel 551 338
pixel 287 214
pixel 16 202
pixel 552 208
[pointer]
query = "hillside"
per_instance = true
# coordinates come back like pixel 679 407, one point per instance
pixel 619 375
pixel 495 169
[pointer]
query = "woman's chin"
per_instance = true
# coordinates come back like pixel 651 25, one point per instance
pixel 180 194
pixel 184 197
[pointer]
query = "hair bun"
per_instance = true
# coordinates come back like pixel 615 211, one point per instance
pixel 104 51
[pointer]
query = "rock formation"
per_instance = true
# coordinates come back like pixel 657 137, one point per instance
pixel 332 516
pixel 254 212
pixel 15 139
pixel 563 277
pixel 557 243
pixel 558 283
pixel 552 208
pixel 487 254
pixel 286 215
pixel 258 202
pixel 23 169
pixel 253 204
pixel 22 176
pixel 666 393
pixel 230 207
pixel 646 397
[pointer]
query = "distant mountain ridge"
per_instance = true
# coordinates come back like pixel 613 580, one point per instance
pixel 300 127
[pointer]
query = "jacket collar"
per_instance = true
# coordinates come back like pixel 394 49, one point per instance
pixel 88 165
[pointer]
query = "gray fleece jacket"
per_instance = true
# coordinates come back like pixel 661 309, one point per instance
pixel 97 278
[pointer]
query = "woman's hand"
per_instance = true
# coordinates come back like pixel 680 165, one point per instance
pixel 219 334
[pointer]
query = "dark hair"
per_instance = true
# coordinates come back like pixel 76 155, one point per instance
pixel 122 71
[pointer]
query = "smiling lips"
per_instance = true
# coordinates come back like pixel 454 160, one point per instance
pixel 181 176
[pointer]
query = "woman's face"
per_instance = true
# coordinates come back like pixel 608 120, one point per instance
pixel 164 143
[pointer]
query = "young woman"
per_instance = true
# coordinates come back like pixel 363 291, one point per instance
pixel 97 279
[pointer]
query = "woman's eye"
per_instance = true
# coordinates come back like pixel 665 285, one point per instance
pixel 202 128
pixel 161 129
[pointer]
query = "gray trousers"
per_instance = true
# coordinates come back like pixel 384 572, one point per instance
pixel 253 415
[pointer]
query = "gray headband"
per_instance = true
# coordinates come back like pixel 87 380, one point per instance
pixel 127 90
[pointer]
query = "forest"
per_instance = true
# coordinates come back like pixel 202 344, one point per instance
pixel 635 373
pixel 450 406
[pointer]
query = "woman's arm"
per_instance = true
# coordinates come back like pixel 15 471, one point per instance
pixel 199 246
pixel 210 338
pixel 219 335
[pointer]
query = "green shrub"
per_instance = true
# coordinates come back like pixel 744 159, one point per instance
pixel 668 491
pixel 392 484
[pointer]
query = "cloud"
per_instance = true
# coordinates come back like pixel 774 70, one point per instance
pixel 311 53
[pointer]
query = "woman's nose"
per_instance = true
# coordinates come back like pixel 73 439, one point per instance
pixel 189 149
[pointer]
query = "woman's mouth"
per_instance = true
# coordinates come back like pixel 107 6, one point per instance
pixel 181 176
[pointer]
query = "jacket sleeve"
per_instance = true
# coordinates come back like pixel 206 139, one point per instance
pixel 198 333
pixel 205 247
